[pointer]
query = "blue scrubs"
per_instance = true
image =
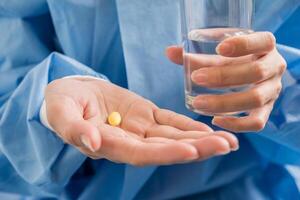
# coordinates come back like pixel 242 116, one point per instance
pixel 43 40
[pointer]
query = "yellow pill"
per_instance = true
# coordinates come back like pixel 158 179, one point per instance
pixel 114 119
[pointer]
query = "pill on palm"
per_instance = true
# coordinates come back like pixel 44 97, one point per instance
pixel 114 119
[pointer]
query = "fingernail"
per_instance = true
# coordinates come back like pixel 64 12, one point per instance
pixel 87 143
pixel 200 77
pixel 222 153
pixel 236 148
pixel 225 49
pixel 200 103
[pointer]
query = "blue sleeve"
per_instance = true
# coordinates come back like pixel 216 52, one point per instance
pixel 33 160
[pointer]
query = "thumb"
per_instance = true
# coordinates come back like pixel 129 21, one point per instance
pixel 67 120
pixel 83 133
pixel 175 54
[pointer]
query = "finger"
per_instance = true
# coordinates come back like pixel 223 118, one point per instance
pixel 182 122
pixel 255 122
pixel 254 98
pixel 196 61
pixel 174 133
pixel 214 33
pixel 136 152
pixel 210 146
pixel 232 140
pixel 241 74
pixel 256 43
pixel 82 134
pixel 66 119
pixel 170 118
pixel 175 54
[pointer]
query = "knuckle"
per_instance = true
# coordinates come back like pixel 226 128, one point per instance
pixel 270 40
pixel 279 87
pixel 258 98
pixel 283 66
pixel 220 77
pixel 260 70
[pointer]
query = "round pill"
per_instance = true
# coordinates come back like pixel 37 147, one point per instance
pixel 114 119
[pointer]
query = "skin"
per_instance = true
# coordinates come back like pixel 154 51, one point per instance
pixel 248 60
pixel 147 134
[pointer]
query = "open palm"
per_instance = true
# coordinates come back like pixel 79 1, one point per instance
pixel 147 135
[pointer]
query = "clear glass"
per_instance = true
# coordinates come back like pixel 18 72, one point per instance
pixel 206 23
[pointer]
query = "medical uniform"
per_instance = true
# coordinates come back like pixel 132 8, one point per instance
pixel 124 40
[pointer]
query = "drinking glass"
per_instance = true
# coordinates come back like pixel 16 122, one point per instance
pixel 205 24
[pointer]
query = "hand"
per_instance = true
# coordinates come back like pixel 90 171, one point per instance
pixel 249 60
pixel 78 108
